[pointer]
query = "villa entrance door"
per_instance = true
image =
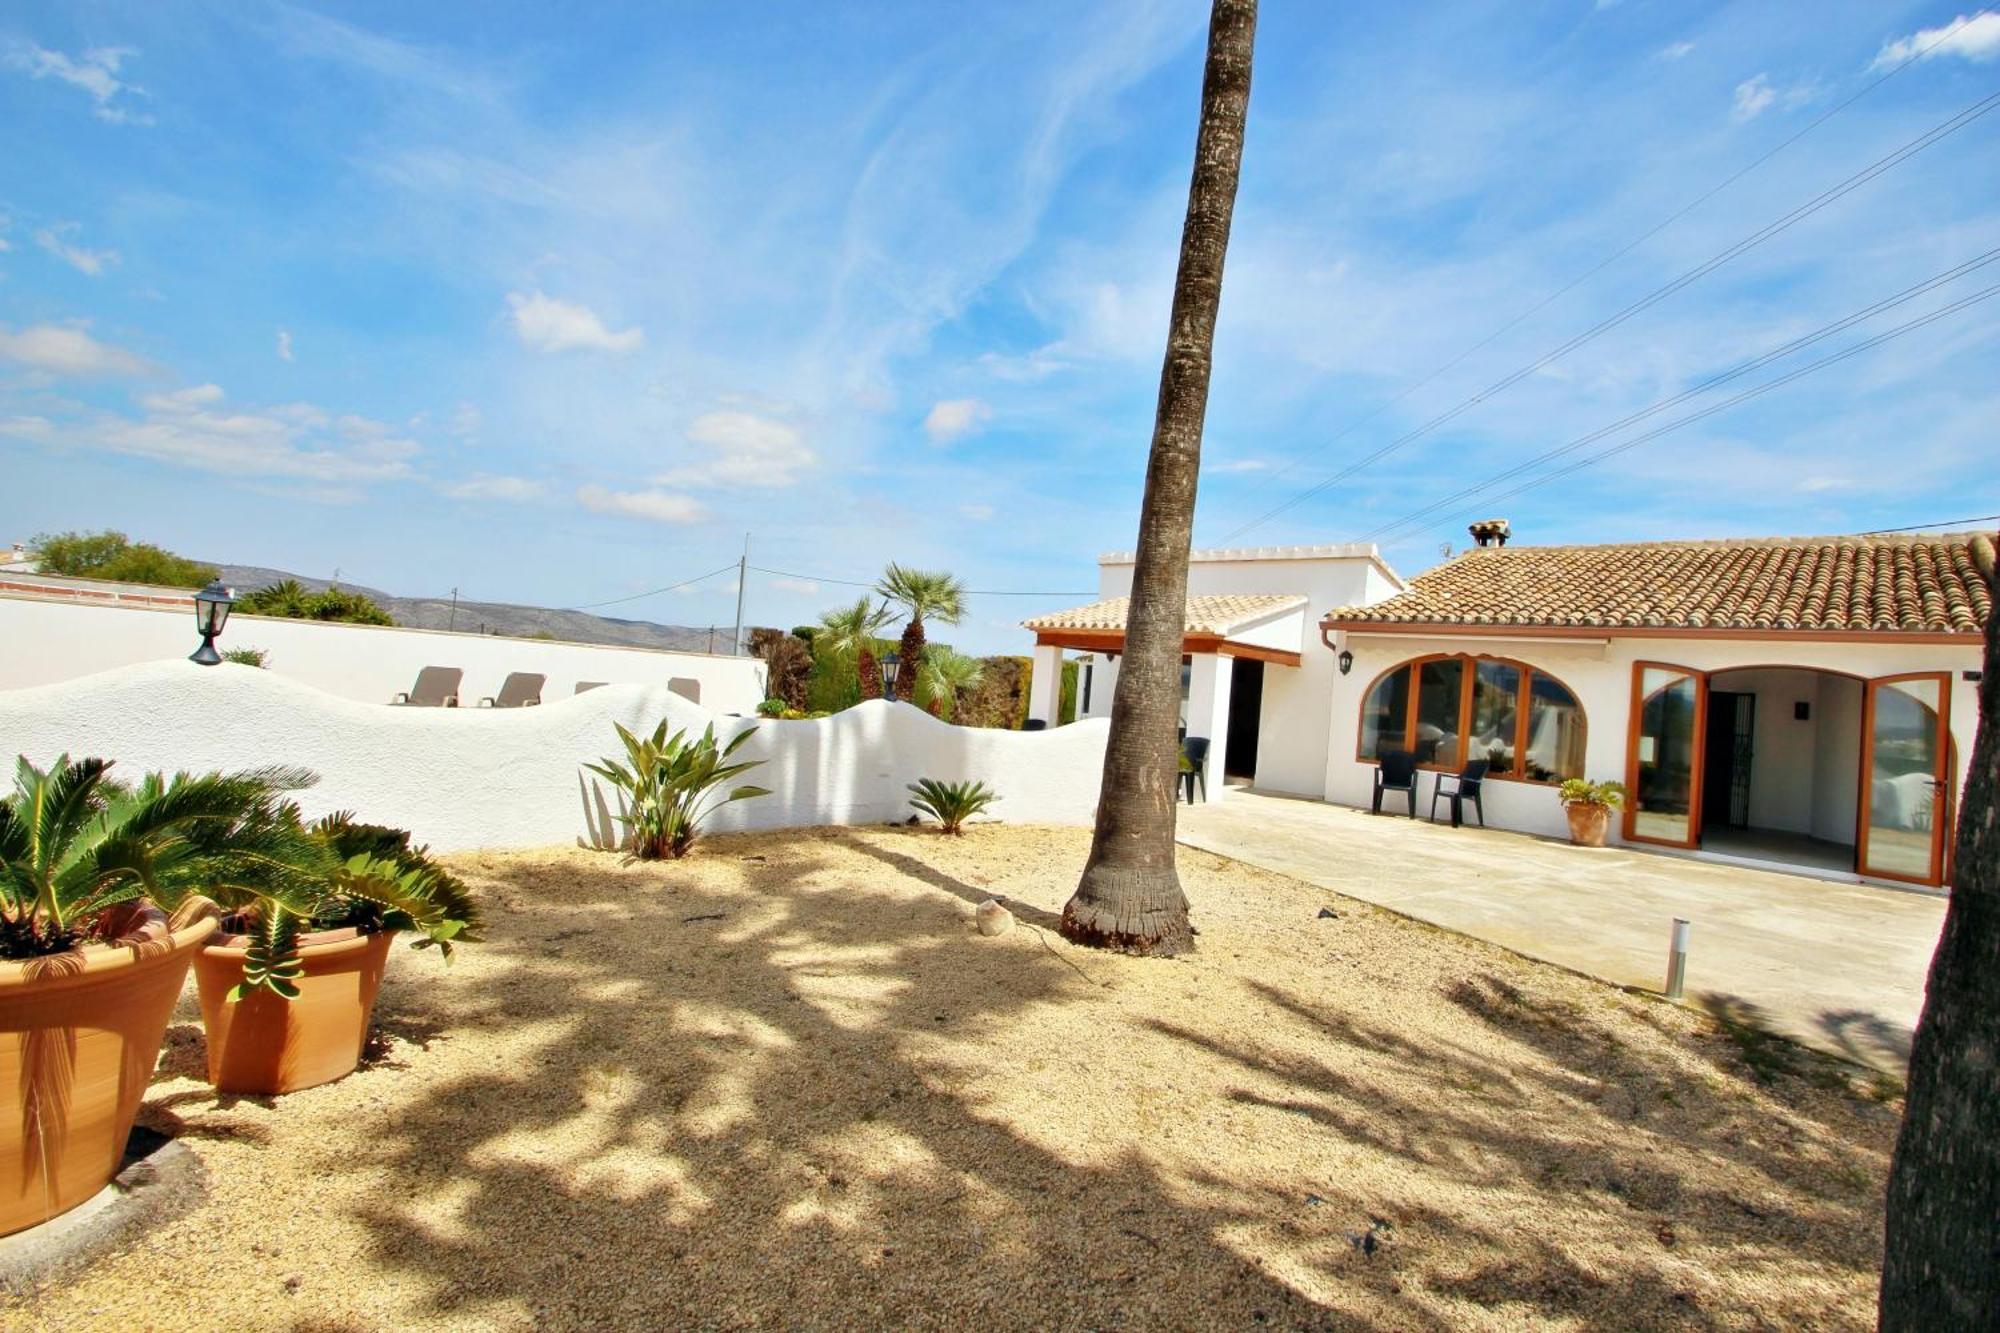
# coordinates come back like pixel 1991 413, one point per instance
pixel 1906 777
pixel 1663 771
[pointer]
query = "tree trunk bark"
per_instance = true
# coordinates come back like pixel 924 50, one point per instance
pixel 910 660
pixel 1941 1268
pixel 869 674
pixel 1129 897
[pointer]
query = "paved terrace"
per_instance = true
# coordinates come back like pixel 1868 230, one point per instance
pixel 1839 967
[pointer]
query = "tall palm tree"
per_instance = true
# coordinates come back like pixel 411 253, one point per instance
pixel 948 674
pixel 849 634
pixel 1129 897
pixel 923 594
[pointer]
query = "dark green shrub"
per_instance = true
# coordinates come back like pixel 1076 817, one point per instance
pixel 110 555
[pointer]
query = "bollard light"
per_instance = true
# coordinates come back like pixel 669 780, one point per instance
pixel 1677 960
pixel 211 613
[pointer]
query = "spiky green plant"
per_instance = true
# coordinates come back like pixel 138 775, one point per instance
pixel 947 675
pixel 75 843
pixel 951 803
pixel 848 635
pixel 671 784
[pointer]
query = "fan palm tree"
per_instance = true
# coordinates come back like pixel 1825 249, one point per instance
pixel 74 842
pixel 1129 897
pixel 948 674
pixel 284 598
pixel 849 634
pixel 923 594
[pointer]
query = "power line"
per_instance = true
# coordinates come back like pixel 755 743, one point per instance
pixel 1925 527
pixel 590 606
pixel 1651 435
pixel 1756 363
pixel 1613 257
pixel 1754 239
pixel 869 583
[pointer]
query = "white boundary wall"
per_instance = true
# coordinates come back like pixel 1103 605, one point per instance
pixel 459 778
pixel 46 641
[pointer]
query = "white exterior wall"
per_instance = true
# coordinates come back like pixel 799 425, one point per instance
pixel 459 778
pixel 1804 776
pixel 1601 677
pixel 48 641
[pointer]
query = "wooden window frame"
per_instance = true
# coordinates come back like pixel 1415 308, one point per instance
pixel 1945 775
pixel 1468 677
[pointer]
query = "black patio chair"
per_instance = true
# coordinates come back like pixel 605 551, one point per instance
pixel 1464 787
pixel 1396 771
pixel 1195 750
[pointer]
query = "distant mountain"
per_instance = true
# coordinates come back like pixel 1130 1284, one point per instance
pixel 503 617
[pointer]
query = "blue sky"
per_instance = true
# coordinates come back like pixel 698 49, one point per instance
pixel 554 303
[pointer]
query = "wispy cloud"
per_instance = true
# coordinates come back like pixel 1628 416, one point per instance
pixel 1676 50
pixel 653 505
pixel 549 325
pixel 978 513
pixel 1756 95
pixel 96 72
pixel 955 418
pixel 1975 38
pixel 284 345
pixel 66 349
pixel 785 583
pixel 481 486
pixel 55 240
pixel 739 448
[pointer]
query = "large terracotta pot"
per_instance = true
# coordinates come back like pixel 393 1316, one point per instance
pixel 264 1044
pixel 80 1033
pixel 1587 823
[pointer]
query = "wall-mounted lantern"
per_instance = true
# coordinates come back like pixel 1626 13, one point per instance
pixel 211 613
pixel 1346 660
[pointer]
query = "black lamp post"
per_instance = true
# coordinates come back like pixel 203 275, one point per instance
pixel 211 613
pixel 890 661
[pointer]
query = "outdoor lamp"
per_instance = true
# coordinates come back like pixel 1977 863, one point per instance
pixel 211 613
pixel 890 662
pixel 1346 660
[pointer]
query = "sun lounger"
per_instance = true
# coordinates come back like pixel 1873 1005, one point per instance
pixel 436 687
pixel 583 685
pixel 521 689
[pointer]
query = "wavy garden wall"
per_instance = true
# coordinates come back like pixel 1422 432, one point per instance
pixel 460 778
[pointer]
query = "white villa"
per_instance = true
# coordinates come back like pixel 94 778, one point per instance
pixel 1804 701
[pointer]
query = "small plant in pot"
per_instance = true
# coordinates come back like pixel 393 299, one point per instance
pixel 670 784
pixel 287 995
pixel 1589 806
pixel 91 961
pixel 951 803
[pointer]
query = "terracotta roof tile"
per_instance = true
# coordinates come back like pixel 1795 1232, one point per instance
pixel 1216 614
pixel 1907 584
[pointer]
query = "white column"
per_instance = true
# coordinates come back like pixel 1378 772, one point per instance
pixel 1208 712
pixel 1045 684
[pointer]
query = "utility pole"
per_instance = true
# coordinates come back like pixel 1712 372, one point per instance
pixel 454 610
pixel 742 574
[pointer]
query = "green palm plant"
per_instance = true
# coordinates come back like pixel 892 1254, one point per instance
pixel 948 675
pixel 284 598
pixel 849 633
pixel 75 843
pixel 671 784
pixel 951 803
pixel 922 594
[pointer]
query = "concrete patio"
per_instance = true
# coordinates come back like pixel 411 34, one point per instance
pixel 1839 967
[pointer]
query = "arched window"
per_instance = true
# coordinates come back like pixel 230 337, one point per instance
pixel 1526 724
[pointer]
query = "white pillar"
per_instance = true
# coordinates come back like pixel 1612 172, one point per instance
pixel 1208 712
pixel 1045 684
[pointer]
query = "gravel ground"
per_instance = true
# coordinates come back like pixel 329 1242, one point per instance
pixel 785 1084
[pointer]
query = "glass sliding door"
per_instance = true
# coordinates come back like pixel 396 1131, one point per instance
pixel 1663 770
pixel 1905 776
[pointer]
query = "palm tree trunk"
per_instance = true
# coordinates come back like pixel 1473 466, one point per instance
pixel 910 655
pixel 1130 896
pixel 868 673
pixel 1939 1268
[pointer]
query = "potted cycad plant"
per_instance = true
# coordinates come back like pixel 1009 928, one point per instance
pixel 287 995
pixel 670 784
pixel 1589 806
pixel 91 962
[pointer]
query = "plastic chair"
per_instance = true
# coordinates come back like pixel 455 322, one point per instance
pixel 1195 751
pixel 436 687
pixel 521 689
pixel 1396 771
pixel 1464 787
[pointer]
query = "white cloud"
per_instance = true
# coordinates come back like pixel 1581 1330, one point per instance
pixel 549 325
pixel 1676 51
pixel 465 420
pixel 191 428
pixel 658 506
pixel 744 449
pixel 95 71
pixel 955 417
pixel 1976 38
pixel 1238 465
pixel 1753 97
pixel 67 350
pixel 785 584
pixel 284 345
pixel 977 513
pixel 93 262
pixel 480 486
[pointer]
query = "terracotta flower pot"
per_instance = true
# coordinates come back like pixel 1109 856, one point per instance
pixel 264 1044
pixel 1587 823
pixel 80 1033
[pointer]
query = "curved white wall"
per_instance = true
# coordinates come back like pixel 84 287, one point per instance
pixel 461 778
pixel 50 641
